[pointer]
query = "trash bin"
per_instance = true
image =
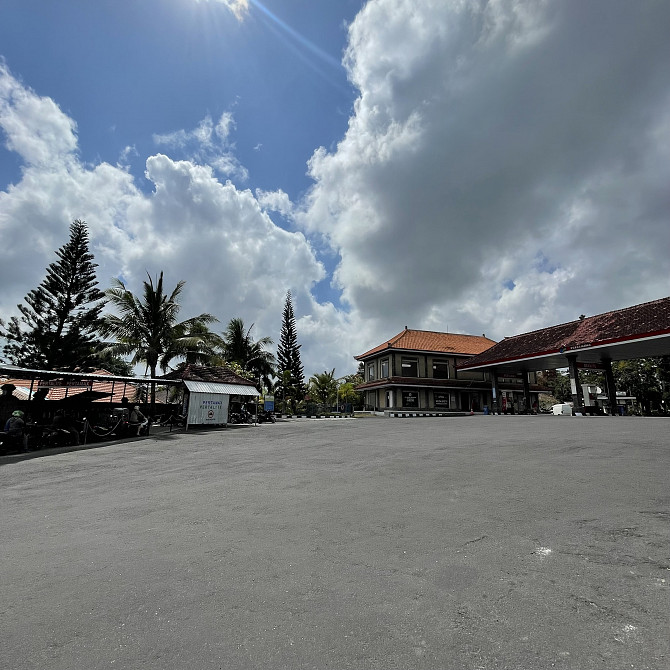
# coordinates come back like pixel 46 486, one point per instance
pixel 486 409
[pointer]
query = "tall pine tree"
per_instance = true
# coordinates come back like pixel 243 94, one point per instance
pixel 291 384
pixel 57 326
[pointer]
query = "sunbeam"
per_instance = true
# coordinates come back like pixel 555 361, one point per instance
pixel 308 44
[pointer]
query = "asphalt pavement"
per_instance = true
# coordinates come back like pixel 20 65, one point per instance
pixel 432 543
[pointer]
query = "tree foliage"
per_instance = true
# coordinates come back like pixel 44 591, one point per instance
pixel 57 327
pixel 147 328
pixel 646 379
pixel 195 343
pixel 238 346
pixel 348 393
pixel 323 387
pixel 291 383
pixel 558 383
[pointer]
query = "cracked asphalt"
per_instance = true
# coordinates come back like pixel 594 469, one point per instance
pixel 472 542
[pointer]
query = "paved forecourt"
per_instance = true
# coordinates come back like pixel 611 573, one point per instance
pixel 473 542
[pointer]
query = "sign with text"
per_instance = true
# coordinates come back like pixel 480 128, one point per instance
pixel 208 408
pixel 51 383
pixel 591 366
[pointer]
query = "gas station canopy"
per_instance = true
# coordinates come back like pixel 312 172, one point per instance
pixel 640 331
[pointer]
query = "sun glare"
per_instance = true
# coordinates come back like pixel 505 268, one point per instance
pixel 238 7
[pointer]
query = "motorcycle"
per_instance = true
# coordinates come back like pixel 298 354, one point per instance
pixel 264 416
pixel 241 416
pixel 178 420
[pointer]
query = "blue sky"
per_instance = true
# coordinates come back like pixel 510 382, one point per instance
pixel 126 70
pixel 482 167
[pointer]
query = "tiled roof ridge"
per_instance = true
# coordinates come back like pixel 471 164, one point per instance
pixel 413 339
pixel 210 373
pixel 579 321
pixel 436 332
pixel 633 322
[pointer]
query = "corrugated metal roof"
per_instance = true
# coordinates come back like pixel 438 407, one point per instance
pixel 30 373
pixel 228 389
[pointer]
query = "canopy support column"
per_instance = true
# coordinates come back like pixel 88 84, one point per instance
pixel 575 387
pixel 495 390
pixel 526 391
pixel 611 386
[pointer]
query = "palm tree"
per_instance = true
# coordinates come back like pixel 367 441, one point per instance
pixel 323 387
pixel 148 329
pixel 239 347
pixel 195 344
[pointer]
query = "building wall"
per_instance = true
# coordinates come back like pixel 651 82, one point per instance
pixel 423 366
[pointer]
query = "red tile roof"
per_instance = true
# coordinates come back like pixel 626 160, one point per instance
pixel 207 373
pixel 645 320
pixel 59 392
pixel 22 386
pixel 432 341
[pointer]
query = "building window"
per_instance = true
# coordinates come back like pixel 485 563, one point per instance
pixel 410 399
pixel 440 370
pixel 441 400
pixel 371 371
pixel 385 368
pixel 410 367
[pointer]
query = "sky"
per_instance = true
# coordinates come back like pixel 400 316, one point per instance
pixel 474 167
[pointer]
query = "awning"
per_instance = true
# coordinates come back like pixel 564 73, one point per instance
pixel 223 389
pixel 30 373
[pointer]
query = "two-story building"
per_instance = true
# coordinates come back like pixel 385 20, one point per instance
pixel 418 370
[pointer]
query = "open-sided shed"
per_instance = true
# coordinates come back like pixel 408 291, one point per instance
pixel 591 342
pixel 208 390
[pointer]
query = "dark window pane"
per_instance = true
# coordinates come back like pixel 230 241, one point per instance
pixel 410 368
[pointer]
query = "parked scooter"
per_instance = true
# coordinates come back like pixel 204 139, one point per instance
pixel 178 420
pixel 264 416
pixel 241 416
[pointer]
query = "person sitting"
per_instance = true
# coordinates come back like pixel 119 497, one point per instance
pixel 15 429
pixel 64 423
pixel 137 419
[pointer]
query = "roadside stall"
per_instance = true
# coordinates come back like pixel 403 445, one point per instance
pixel 211 392
pixel 88 406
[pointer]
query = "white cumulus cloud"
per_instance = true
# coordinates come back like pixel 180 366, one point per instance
pixel 207 143
pixel 236 262
pixel 506 165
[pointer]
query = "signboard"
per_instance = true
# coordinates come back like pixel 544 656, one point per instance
pixel 441 399
pixel 510 380
pixel 269 403
pixel 591 366
pixel 208 409
pixel 410 399
pixel 51 383
pixel 510 375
